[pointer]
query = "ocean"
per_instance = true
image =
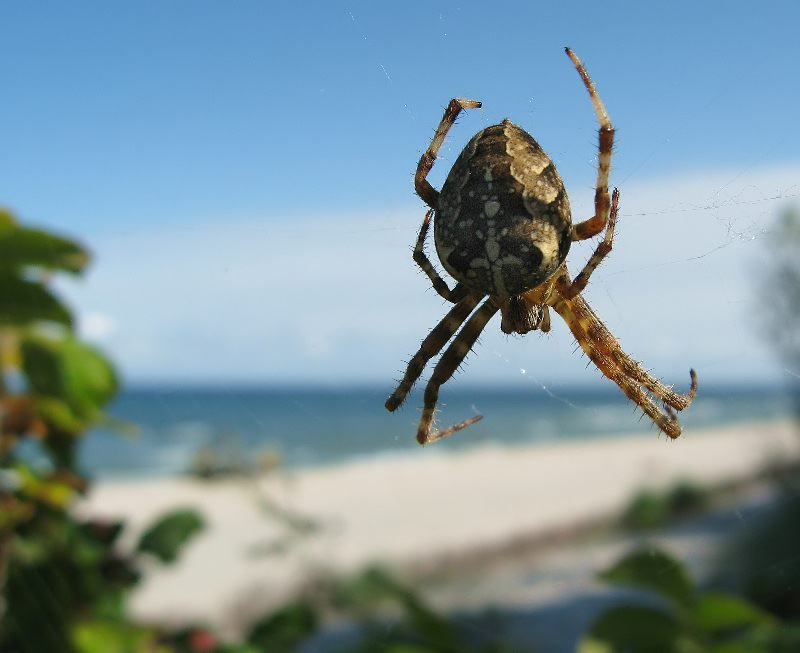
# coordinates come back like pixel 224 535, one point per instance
pixel 180 429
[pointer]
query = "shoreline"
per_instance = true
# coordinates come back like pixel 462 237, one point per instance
pixel 406 510
pixel 274 461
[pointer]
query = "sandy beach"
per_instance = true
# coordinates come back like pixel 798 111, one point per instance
pixel 406 510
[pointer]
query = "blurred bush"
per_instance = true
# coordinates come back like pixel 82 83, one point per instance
pixel 63 580
pixel 669 614
pixel 650 509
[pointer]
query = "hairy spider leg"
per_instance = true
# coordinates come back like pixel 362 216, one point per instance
pixel 444 370
pixel 597 222
pixel 427 192
pixel 420 258
pixel 431 346
pixel 568 289
pixel 606 353
pixel 604 350
pixel 443 331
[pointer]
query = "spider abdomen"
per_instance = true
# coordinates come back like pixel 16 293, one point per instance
pixel 503 224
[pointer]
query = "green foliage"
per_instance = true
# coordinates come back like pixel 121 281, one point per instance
pixel 169 534
pixel 646 510
pixel 649 509
pixel 57 569
pixel 632 628
pixel 69 381
pixel 117 637
pixel 60 384
pixel 64 580
pixel 419 629
pixel 27 256
pixel 653 571
pixel 717 612
pixel 686 497
pixel 674 616
pixel 283 631
pixel 65 383
pixel 419 622
pixel 392 617
pixel 23 302
pixel 23 248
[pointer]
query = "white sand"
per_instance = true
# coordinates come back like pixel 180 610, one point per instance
pixel 407 509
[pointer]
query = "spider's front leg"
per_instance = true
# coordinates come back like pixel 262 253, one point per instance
pixel 427 192
pixel 444 370
pixel 442 332
pixel 569 289
pixel 432 345
pixel 595 224
pixel 420 258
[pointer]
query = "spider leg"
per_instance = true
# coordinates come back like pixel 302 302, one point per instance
pixel 568 289
pixel 606 353
pixel 544 327
pixel 421 259
pixel 595 224
pixel 446 367
pixel 431 346
pixel 428 194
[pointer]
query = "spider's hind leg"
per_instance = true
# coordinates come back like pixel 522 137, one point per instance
pixel 605 352
pixel 673 400
pixel 421 259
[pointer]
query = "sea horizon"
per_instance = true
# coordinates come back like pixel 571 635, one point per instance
pixel 297 426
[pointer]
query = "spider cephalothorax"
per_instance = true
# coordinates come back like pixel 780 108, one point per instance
pixel 502 229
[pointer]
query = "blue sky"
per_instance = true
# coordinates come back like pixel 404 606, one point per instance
pixel 243 174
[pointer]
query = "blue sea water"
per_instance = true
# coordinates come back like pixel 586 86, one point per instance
pixel 308 426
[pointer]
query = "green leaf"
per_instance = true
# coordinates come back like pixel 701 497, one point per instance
pixel 23 302
pixel 170 533
pixel 741 647
pixel 654 571
pixel 686 497
pixel 76 378
pixel 715 612
pixel 38 600
pixel 58 413
pixel 647 510
pixel 631 629
pixel 50 491
pixel 99 636
pixel 89 377
pixel 284 630
pixel 22 247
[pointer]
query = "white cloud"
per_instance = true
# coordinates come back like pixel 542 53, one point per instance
pixel 96 327
pixel 326 298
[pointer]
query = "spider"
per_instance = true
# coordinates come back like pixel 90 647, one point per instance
pixel 502 230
